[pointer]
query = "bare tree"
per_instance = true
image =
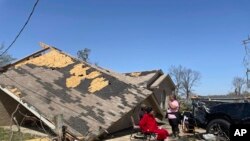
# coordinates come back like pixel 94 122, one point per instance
pixel 84 54
pixel 5 58
pixel 185 79
pixel 238 84
pixel 189 79
pixel 176 73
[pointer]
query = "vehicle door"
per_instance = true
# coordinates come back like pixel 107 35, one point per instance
pixel 234 111
pixel 246 114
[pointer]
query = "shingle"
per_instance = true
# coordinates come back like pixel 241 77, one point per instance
pixel 45 89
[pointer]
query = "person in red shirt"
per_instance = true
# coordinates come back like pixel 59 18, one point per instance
pixel 148 125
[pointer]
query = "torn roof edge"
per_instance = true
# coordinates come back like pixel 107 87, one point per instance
pixel 150 71
pixel 37 114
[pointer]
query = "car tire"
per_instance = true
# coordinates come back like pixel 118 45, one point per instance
pixel 219 127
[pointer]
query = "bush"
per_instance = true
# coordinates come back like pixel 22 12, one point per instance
pixel 185 105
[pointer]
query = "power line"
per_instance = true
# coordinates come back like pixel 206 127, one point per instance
pixel 19 33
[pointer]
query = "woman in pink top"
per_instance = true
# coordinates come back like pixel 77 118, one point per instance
pixel 173 114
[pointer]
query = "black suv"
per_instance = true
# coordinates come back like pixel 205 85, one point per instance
pixel 217 119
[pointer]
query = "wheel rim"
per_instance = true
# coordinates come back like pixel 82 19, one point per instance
pixel 220 131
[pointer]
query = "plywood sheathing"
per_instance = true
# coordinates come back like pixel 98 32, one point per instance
pixel 79 73
pixel 52 59
pixel 98 84
pixel 135 74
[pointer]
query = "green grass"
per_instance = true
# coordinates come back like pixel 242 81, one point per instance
pixel 17 136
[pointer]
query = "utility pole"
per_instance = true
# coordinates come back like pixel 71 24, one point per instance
pixel 247 59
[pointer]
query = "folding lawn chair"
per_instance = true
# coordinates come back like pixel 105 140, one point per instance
pixel 137 134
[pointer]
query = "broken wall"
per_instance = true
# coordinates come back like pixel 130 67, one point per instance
pixel 5 116
pixel 162 93
pixel 7 106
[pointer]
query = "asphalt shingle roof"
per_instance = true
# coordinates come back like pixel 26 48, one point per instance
pixel 99 100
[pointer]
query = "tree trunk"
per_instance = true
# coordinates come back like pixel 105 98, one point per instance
pixel 187 94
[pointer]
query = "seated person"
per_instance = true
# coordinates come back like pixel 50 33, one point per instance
pixel 142 111
pixel 148 125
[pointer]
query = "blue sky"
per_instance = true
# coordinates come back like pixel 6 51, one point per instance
pixel 137 35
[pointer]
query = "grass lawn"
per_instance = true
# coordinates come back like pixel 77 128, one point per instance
pixel 17 136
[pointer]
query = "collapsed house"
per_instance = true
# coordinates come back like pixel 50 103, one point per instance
pixel 156 81
pixel 87 101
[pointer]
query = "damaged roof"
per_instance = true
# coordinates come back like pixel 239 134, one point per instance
pixel 143 77
pixel 150 79
pixel 89 97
